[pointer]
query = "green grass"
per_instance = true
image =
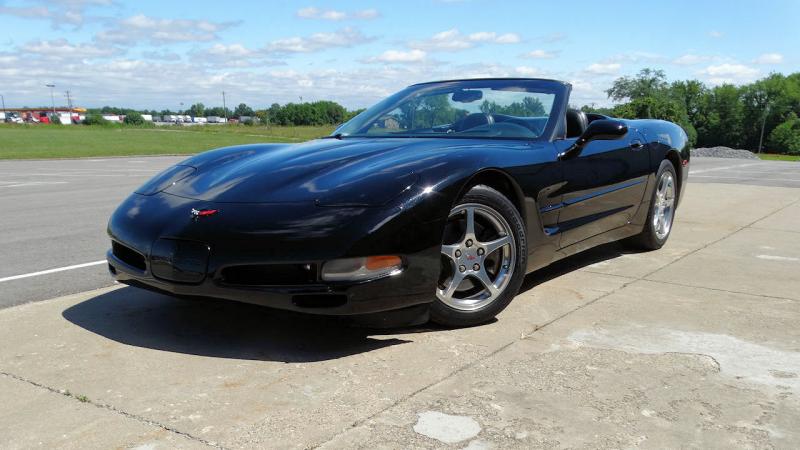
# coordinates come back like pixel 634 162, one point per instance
pixel 775 157
pixel 75 141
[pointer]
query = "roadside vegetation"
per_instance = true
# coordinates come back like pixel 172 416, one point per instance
pixel 74 141
pixel 724 115
pixel 777 157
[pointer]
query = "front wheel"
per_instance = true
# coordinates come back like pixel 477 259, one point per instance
pixel 484 254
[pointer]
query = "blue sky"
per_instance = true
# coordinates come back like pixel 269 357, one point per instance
pixel 157 54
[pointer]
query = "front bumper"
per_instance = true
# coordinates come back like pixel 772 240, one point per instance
pixel 236 240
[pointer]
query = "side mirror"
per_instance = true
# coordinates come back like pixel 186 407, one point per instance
pixel 602 129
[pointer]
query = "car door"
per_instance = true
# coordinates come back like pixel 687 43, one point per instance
pixel 603 186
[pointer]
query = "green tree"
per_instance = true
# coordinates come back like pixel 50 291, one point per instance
pixel 133 118
pixel 647 83
pixel 197 110
pixel 242 110
pixel 724 118
pixel 786 136
pixel 94 119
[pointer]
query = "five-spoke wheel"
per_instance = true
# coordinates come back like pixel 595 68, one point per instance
pixel 482 249
pixel 478 265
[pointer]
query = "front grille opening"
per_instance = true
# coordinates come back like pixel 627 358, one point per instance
pixel 270 274
pixel 319 300
pixel 128 255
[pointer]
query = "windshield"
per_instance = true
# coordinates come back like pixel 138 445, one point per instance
pixel 474 108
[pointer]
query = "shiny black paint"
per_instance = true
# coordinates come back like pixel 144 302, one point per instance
pixel 331 198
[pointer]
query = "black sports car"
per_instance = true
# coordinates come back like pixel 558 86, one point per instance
pixel 439 199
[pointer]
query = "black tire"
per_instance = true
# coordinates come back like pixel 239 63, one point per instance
pixel 448 316
pixel 649 239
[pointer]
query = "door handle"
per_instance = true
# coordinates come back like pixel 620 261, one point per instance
pixel 636 144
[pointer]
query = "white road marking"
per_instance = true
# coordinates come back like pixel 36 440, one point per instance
pixel 32 183
pixel 49 271
pixel 795 180
pixel 692 172
pixel 777 258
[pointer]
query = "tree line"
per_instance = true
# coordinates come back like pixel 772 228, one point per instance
pixel 310 113
pixel 764 112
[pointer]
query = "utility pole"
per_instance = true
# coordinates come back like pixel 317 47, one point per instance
pixel 69 101
pixel 4 104
pixel 52 98
pixel 763 124
pixel 224 107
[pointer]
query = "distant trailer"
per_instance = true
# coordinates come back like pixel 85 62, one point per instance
pixel 213 119
pixel 147 117
pixel 111 117
pixel 65 118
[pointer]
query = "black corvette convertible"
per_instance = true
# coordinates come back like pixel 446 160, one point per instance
pixel 440 199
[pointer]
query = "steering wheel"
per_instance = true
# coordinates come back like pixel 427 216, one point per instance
pixel 473 120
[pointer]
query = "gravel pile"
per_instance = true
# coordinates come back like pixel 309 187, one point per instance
pixel 723 152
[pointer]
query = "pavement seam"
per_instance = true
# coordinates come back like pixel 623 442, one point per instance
pixel 111 408
pixel 540 327
pixel 727 291
pixel 749 225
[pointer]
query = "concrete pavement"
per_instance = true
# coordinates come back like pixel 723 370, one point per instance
pixel 695 345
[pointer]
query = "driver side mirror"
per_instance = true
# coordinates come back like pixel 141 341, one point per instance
pixel 602 129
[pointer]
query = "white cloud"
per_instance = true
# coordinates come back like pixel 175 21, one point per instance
pixel 237 50
pixel 453 39
pixel 690 59
pixel 729 73
pixel 527 71
pixel 540 54
pixel 636 57
pixel 332 14
pixel 716 34
pixel 140 28
pixel 399 56
pixel 769 58
pixel 345 37
pixel 494 38
pixel 58 12
pixel 26 12
pixel 604 68
pixel 61 49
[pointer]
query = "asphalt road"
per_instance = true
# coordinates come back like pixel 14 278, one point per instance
pixel 54 215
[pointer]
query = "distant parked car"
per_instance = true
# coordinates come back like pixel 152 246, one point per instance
pixel 12 117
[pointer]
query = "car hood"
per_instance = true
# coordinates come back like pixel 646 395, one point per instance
pixel 349 171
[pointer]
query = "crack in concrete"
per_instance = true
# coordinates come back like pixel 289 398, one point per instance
pixel 714 360
pixel 113 409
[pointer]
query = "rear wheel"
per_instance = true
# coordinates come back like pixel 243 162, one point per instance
pixel 484 253
pixel 662 210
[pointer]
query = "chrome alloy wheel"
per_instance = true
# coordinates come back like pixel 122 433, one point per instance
pixel 478 257
pixel 664 208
